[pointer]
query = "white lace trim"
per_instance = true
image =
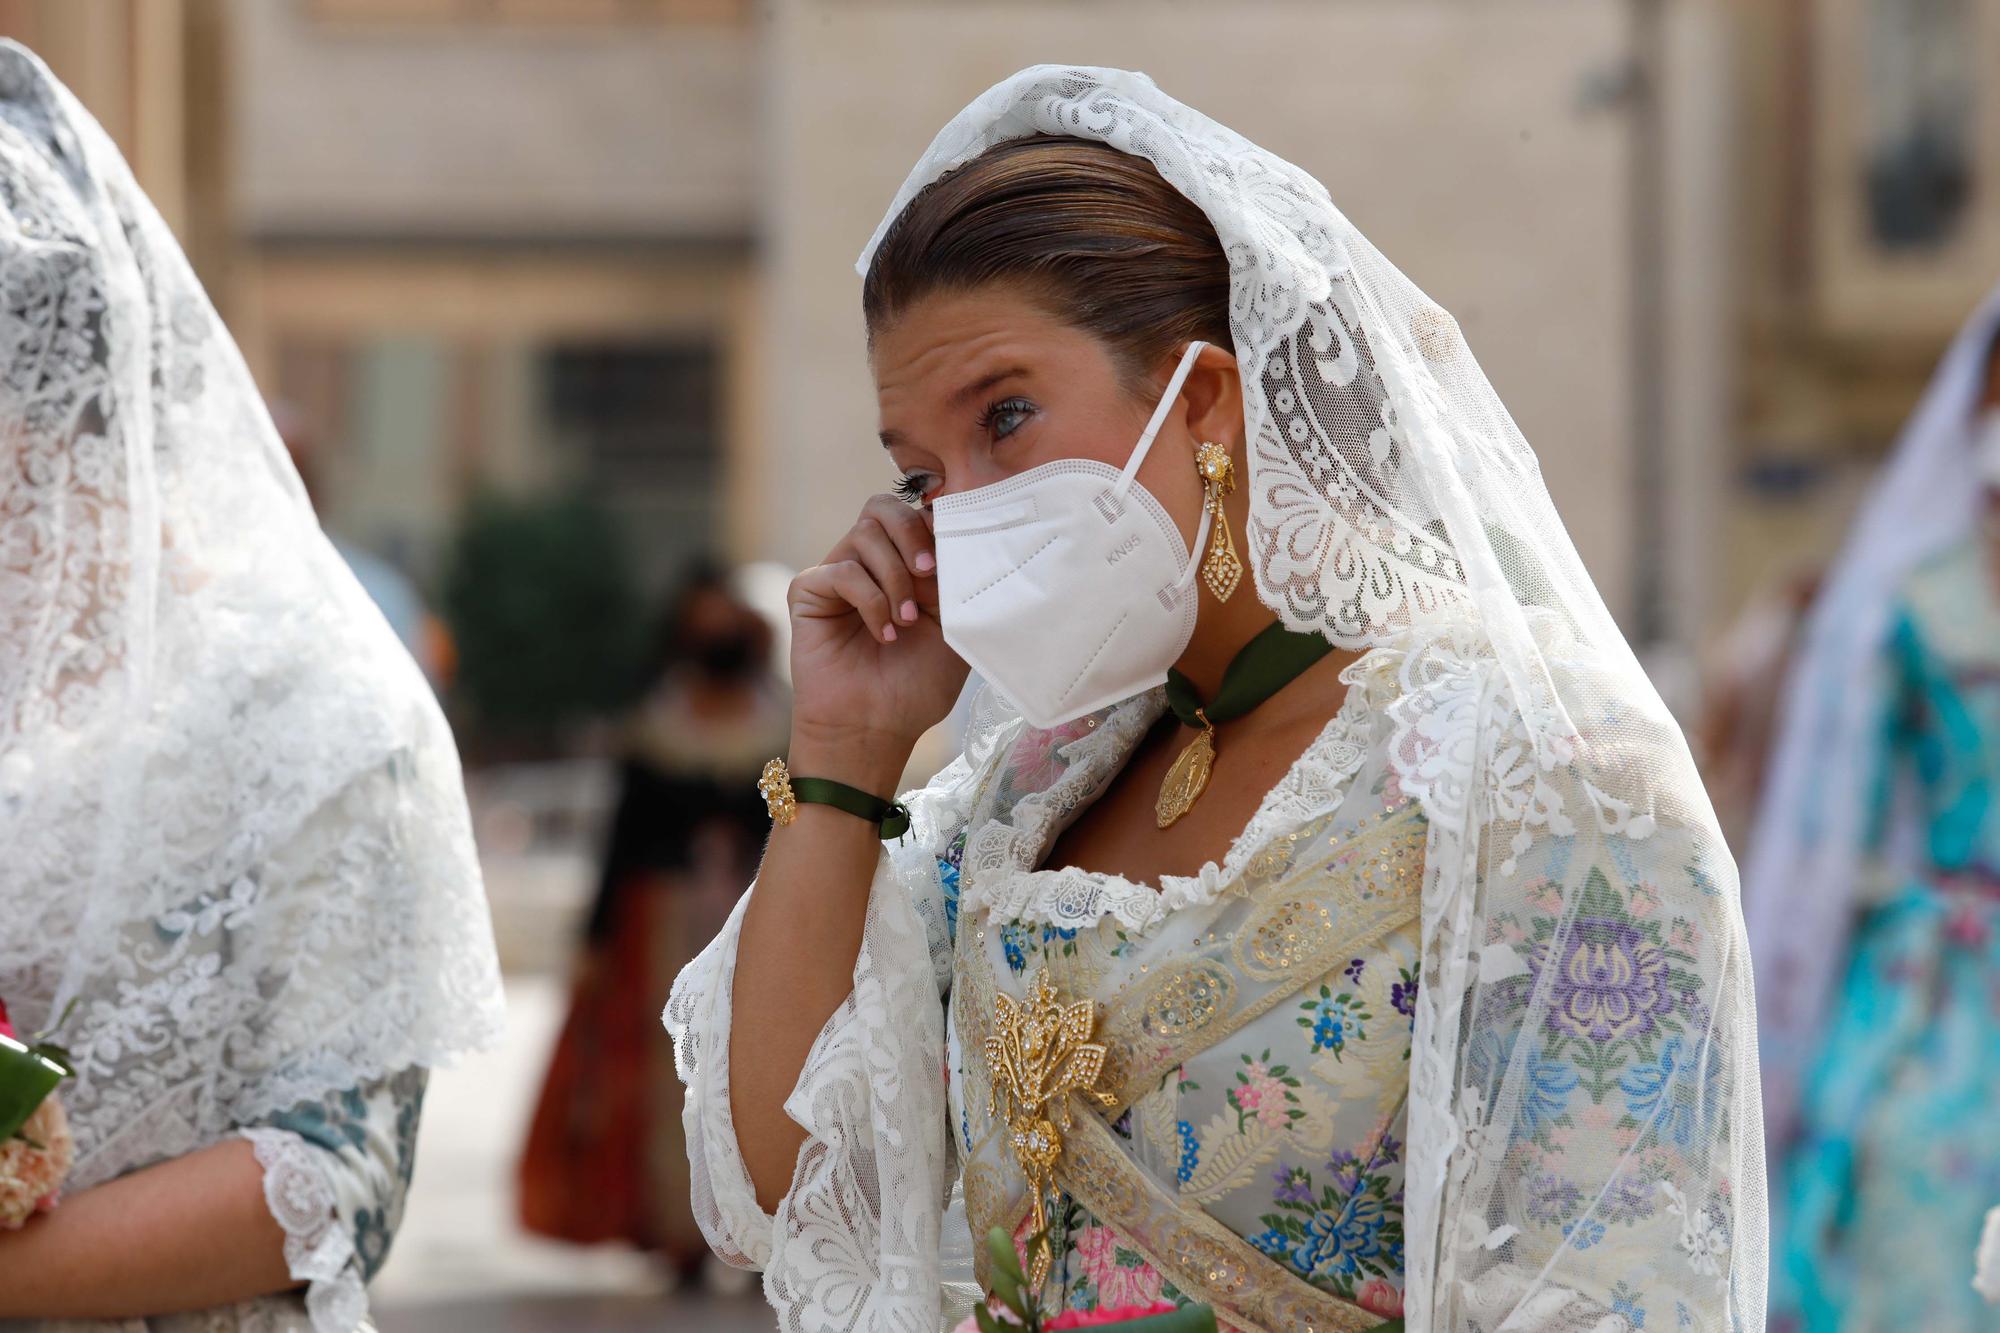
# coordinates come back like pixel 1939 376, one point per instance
pixel 318 1248
pixel 1068 897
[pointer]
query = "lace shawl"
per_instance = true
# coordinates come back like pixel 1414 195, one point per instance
pixel 237 841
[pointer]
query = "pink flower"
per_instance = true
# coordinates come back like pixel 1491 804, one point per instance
pixel 30 1177
pixel 1262 1096
pixel 1097 1249
pixel 6 1028
pixel 1597 1120
pixel 1108 1315
pixel 1264 1101
pixel 1037 759
pixel 1380 1297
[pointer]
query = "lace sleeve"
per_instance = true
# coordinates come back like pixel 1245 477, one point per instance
pixel 854 1243
pixel 336 1173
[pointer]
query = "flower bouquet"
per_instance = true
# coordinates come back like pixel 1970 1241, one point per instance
pixel 1008 1306
pixel 35 1145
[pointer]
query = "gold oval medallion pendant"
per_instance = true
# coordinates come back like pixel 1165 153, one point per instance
pixel 1187 779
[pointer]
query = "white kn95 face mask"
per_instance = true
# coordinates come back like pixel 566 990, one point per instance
pixel 1068 587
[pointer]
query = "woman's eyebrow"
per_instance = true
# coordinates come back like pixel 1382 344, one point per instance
pixel 985 382
pixel 891 438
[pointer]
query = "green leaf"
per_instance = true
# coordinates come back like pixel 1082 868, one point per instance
pixel 26 1080
pixel 1000 1248
pixel 55 1054
pixel 1008 1289
pixel 987 1323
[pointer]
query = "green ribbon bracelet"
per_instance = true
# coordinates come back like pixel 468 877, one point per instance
pixel 890 815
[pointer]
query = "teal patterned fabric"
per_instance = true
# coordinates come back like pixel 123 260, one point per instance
pixel 1883 1197
pixel 369 1135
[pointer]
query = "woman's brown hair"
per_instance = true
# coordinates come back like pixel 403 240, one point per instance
pixel 1093 235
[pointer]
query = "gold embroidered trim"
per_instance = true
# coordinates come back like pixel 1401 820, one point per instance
pixel 1309 923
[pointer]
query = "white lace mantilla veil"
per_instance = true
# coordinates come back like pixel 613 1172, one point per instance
pixel 235 834
pixel 1575 877
pixel 1807 848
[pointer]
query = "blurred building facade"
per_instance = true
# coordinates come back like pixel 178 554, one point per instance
pixel 1868 229
pixel 503 245
pixel 1705 249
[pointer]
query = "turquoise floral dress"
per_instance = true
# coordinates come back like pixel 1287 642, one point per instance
pixel 1899 1159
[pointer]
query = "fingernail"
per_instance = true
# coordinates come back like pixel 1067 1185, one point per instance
pixel 888 634
pixel 924 562
pixel 909 613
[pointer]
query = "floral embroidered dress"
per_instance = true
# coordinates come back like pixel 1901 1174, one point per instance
pixel 1899 1156
pixel 1276 1147
pixel 1257 1019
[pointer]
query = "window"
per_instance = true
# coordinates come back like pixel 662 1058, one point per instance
pixel 640 416
pixel 1919 126
pixel 638 422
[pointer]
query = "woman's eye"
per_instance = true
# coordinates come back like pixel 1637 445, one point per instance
pixel 912 487
pixel 1004 418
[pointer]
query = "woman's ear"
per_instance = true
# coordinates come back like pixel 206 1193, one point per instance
pixel 1214 398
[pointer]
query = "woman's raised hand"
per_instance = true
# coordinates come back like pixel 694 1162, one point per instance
pixel 870 668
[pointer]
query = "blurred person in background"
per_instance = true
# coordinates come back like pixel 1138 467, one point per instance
pixel 606 1159
pixel 238 869
pixel 1873 888
pixel 426 637
pixel 1744 685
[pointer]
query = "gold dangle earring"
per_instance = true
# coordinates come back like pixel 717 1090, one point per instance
pixel 1221 567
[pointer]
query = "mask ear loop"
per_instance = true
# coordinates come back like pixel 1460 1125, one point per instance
pixel 1112 502
pixel 1145 445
